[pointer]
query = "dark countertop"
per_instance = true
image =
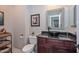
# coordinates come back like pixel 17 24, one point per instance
pixel 64 33
pixel 66 39
pixel 58 35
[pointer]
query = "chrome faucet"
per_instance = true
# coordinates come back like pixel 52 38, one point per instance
pixel 49 30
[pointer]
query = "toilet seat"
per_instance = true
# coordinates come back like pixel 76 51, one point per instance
pixel 28 48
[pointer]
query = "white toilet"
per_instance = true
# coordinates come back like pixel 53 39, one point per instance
pixel 29 48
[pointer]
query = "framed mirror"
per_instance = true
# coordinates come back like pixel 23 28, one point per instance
pixel 55 18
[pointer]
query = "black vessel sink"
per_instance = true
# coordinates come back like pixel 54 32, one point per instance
pixel 53 34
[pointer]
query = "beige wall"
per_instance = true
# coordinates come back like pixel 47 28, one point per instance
pixel 8 20
pixel 7 17
pixel 38 10
pixel 16 22
pixel 21 25
pixel 41 9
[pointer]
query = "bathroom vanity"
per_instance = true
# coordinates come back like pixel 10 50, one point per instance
pixel 56 44
pixel 61 34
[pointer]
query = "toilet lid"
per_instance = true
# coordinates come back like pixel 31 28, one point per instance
pixel 28 47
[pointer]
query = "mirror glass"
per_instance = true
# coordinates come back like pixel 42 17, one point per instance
pixel 55 21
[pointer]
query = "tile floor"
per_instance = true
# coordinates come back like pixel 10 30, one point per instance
pixel 16 50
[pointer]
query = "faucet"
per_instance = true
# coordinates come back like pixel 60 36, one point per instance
pixel 49 30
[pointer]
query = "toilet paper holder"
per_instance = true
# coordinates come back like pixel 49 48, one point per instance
pixel 21 35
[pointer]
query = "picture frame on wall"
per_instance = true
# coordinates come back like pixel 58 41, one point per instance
pixel 35 20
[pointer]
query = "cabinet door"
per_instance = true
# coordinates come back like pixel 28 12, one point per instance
pixel 46 48
pixel 69 44
pixel 41 49
pixel 41 40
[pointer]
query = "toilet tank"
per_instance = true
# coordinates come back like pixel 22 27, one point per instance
pixel 32 39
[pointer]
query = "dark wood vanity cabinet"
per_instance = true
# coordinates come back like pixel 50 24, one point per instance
pixel 51 45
